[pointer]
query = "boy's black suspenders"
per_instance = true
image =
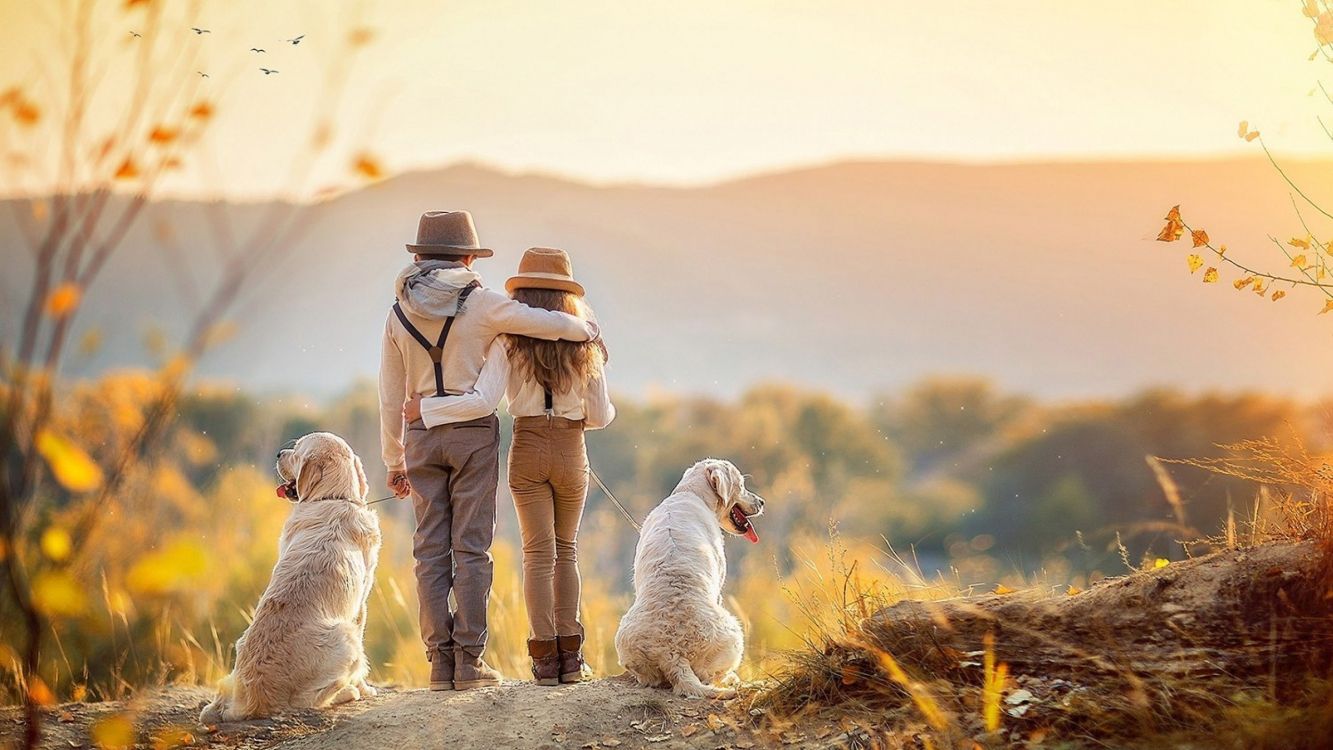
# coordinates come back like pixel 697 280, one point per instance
pixel 436 351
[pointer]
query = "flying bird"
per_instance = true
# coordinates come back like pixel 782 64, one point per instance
pixel 256 49
pixel 198 30
pixel 268 72
pixel 135 34
pixel 202 74
pixel 297 40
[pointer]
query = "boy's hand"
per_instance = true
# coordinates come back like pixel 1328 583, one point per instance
pixel 412 409
pixel 399 485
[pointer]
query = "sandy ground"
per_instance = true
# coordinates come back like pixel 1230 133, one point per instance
pixel 609 713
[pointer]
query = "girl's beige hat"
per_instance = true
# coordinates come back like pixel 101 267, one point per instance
pixel 545 268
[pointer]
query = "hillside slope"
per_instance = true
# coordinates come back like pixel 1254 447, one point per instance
pixel 849 277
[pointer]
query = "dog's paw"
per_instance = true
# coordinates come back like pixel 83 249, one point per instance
pixel 346 695
pixel 725 694
pixel 367 690
pixel 731 679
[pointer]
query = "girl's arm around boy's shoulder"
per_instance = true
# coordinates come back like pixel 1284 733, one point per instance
pixel 598 411
pixel 481 401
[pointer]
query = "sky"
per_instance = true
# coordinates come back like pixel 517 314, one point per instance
pixel 687 92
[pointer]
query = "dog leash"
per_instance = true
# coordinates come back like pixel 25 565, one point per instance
pixel 610 495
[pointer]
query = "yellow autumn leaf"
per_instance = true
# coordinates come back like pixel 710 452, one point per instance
pixel 1073 590
pixel 1210 276
pixel 1242 283
pixel 1161 562
pixel 173 568
pixel 1323 29
pixel 1243 128
pixel 1311 8
pixel 63 299
pixel 1222 250
pixel 56 543
pixel 1260 289
pixel 170 738
pixel 1174 226
pixel 1278 294
pixel 57 594
pixel 1299 242
pixel 1321 273
pixel 1195 261
pixel 1002 589
pixel 71 466
pixel 114 732
pixel 1328 307
pixel 1200 237
pixel 1298 261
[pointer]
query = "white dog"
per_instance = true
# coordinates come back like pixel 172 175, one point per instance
pixel 677 631
pixel 304 647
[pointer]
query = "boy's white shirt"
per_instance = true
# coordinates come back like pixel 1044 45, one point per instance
pixel 590 403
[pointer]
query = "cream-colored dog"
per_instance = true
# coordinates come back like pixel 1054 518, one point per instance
pixel 304 648
pixel 677 632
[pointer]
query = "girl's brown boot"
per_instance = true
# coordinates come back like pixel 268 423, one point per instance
pixel 545 662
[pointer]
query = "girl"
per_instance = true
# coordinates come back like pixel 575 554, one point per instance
pixel 556 389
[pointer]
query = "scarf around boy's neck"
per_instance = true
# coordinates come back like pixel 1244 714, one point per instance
pixel 430 288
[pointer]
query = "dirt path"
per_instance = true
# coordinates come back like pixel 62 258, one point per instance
pixel 609 713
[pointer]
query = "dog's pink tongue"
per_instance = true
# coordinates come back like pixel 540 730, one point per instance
pixel 282 491
pixel 751 535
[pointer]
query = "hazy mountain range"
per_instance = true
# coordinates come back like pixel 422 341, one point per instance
pixel 851 277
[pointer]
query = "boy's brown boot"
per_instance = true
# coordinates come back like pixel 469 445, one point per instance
pixel 472 672
pixel 442 670
pixel 545 662
pixel 571 657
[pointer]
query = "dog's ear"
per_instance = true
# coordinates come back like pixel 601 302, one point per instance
pixel 309 473
pixel 719 477
pixel 362 486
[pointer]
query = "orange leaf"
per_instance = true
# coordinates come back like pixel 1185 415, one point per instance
pixel 39 692
pixel 1279 294
pixel 128 170
pixel 1210 276
pixel 1222 250
pixel 1243 129
pixel 26 113
pixel 1298 261
pixel 1252 135
pixel 1002 589
pixel 1200 237
pixel 63 300
pixel 1328 307
pixel 366 166
pixel 201 111
pixel 163 134
pixel 1242 283
pixel 1298 242
pixel 360 36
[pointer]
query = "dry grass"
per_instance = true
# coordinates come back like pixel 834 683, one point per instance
pixel 892 680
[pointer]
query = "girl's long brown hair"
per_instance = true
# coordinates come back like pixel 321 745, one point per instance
pixel 557 365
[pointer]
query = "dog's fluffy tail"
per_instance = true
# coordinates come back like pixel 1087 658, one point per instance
pixel 685 683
